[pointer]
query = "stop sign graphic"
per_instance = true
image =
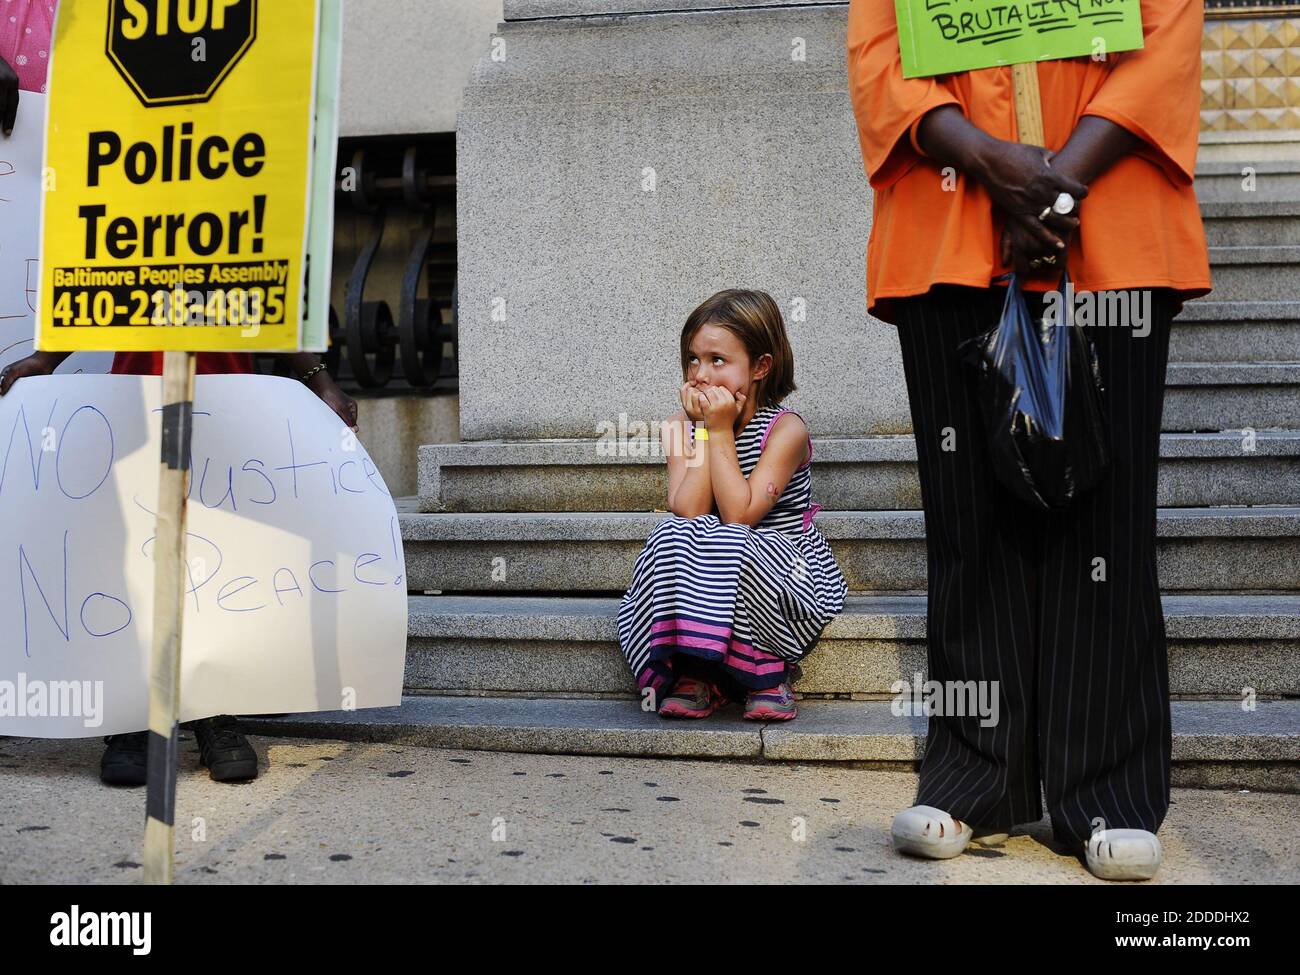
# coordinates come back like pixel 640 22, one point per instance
pixel 175 52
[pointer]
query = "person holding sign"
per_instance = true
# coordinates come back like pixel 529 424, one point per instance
pixel 24 58
pixel 1061 610
pixel 223 749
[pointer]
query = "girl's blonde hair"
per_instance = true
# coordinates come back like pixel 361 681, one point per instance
pixel 754 318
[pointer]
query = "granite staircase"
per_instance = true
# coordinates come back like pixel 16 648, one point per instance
pixel 517 554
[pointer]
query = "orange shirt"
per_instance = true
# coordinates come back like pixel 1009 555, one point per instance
pixel 1139 226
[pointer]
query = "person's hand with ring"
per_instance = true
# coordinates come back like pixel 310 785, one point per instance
pixel 1020 180
pixel 1021 247
pixel 1022 183
pixel 1021 244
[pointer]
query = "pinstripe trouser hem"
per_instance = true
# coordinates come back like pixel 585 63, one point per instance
pixel 1061 609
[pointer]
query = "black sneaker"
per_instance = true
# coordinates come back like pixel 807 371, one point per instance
pixel 125 759
pixel 224 750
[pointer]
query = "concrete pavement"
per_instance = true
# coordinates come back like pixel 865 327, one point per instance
pixel 351 812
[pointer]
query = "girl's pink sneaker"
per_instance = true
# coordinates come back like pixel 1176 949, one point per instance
pixel 691 698
pixel 771 704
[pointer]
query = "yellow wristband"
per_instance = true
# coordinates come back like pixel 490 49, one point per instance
pixel 701 433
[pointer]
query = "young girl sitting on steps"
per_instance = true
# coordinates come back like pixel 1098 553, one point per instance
pixel 737 584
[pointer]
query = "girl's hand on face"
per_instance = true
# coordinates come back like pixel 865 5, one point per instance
pixel 721 408
pixel 690 395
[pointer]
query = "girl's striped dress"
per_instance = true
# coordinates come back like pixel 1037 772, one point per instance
pixel 751 600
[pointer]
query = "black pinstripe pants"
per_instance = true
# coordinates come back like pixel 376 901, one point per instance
pixel 1017 596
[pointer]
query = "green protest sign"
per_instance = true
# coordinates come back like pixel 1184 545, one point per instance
pixel 945 36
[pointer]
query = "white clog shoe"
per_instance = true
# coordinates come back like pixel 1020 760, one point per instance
pixel 929 832
pixel 1123 854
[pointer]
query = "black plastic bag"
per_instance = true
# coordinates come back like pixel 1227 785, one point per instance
pixel 1042 399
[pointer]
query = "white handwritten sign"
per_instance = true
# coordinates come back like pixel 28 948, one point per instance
pixel 20 239
pixel 296 590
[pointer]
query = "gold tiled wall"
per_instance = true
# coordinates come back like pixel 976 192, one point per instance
pixel 1250 73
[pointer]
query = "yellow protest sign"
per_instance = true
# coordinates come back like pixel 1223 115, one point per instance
pixel 177 168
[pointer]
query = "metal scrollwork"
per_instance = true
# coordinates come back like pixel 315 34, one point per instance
pixel 368 325
pixel 419 322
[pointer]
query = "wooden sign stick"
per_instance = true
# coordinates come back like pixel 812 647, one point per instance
pixel 1029 104
pixel 168 611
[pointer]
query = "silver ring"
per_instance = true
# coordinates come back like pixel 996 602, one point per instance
pixel 1064 204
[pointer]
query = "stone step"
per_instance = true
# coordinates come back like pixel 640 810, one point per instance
pixel 1215 743
pixel 1224 549
pixel 1215 396
pixel 1253 273
pixel 1269 181
pixel 1262 223
pixel 873 473
pixel 1209 330
pixel 568 646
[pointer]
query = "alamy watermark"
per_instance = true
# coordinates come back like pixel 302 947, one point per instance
pixel 1120 309
pixel 75 928
pixel 38 698
pixel 627 437
pixel 956 698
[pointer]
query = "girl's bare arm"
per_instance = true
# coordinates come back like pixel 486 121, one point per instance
pixel 747 501
pixel 690 488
